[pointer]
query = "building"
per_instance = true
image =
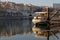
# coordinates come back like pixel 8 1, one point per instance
pixel 7 5
pixel 56 6
pixel 19 7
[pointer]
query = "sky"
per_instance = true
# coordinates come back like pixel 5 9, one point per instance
pixel 36 2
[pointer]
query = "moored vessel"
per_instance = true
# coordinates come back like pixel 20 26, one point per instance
pixel 40 17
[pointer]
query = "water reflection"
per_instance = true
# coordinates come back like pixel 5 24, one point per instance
pixel 41 31
pixel 12 27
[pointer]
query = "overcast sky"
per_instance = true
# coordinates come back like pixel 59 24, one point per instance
pixel 36 2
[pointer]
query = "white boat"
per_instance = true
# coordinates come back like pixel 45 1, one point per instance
pixel 39 17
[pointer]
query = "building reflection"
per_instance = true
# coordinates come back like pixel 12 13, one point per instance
pixel 12 27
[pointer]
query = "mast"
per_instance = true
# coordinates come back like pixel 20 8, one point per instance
pixel 48 23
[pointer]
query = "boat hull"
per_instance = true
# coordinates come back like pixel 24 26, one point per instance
pixel 38 21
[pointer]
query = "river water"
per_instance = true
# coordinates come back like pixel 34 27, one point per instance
pixel 19 30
